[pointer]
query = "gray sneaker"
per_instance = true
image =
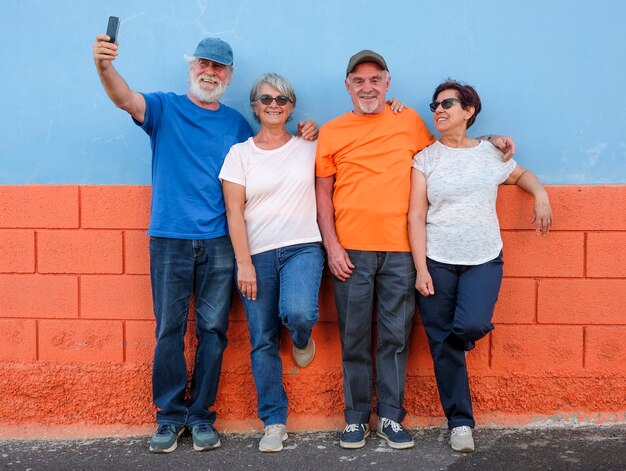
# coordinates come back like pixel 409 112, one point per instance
pixel 304 356
pixel 165 440
pixel 461 439
pixel 274 437
pixel 204 437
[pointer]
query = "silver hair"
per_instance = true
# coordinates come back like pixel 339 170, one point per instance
pixel 279 82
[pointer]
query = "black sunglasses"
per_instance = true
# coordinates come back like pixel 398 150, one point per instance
pixel 281 100
pixel 445 104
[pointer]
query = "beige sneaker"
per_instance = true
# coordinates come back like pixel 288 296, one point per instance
pixel 461 439
pixel 305 356
pixel 273 439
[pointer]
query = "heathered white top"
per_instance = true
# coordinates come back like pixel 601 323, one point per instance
pixel 462 186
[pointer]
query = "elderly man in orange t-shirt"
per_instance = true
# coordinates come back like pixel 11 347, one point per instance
pixel 363 169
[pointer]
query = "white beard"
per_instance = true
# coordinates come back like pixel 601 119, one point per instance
pixel 368 108
pixel 206 96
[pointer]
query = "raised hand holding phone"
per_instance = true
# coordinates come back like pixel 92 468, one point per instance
pixel 113 28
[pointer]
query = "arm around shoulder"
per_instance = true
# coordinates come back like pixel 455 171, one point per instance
pixel 505 143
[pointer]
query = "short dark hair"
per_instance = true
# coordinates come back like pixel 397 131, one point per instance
pixel 466 94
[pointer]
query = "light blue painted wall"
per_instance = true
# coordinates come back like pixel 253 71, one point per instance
pixel 549 72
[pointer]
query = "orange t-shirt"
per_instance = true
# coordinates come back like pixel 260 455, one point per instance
pixel 370 157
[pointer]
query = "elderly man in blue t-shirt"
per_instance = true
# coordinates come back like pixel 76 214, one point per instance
pixel 190 251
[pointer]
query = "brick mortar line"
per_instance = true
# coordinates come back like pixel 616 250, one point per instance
pixel 585 255
pixel 106 275
pixel 476 372
pixel 591 231
pixel 78 293
pixel 512 277
pixel 35 253
pixel 536 316
pixel 57 274
pixel 490 351
pixel 585 347
pixel 127 319
pixel 79 195
pixel 599 278
pixel 75 229
pixel 37 340
pixel 124 343
pixel 124 252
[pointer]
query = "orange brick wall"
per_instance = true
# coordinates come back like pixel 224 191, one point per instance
pixel 76 326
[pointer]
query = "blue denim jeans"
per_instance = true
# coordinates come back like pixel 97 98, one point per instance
pixel 178 269
pixel 288 285
pixel 388 278
pixel 455 317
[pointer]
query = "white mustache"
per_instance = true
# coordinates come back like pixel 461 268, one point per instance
pixel 209 78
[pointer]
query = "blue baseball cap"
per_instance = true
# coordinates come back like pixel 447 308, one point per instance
pixel 213 49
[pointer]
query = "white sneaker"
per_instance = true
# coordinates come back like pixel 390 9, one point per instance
pixel 304 356
pixel 461 439
pixel 274 437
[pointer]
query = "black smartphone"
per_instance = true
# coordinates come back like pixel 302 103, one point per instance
pixel 112 28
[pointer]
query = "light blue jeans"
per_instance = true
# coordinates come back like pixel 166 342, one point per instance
pixel 288 284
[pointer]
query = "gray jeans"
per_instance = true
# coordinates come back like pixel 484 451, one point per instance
pixel 388 278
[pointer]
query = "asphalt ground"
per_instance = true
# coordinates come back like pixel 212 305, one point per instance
pixel 577 448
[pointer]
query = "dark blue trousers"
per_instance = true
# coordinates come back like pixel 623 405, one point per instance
pixel 178 268
pixel 389 279
pixel 456 316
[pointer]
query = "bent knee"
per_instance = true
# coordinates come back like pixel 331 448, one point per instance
pixel 301 318
pixel 471 331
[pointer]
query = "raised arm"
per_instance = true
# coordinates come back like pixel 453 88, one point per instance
pixel 418 208
pixel 104 53
pixel 235 199
pixel 338 259
pixel 542 211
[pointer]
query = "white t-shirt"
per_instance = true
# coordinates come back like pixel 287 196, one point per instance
pixel 280 192
pixel 462 186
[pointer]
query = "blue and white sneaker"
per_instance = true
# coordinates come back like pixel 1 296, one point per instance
pixel 354 435
pixel 204 437
pixel 395 434
pixel 165 440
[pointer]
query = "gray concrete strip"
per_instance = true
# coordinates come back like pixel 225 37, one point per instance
pixel 580 448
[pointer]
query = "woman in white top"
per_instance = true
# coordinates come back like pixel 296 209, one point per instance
pixel 456 244
pixel 269 190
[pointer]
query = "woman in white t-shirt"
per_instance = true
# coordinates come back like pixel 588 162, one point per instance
pixel 456 244
pixel 269 191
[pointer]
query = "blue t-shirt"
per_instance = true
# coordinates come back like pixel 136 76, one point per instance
pixel 189 144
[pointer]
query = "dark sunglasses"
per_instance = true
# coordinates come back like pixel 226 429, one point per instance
pixel 281 100
pixel 445 104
